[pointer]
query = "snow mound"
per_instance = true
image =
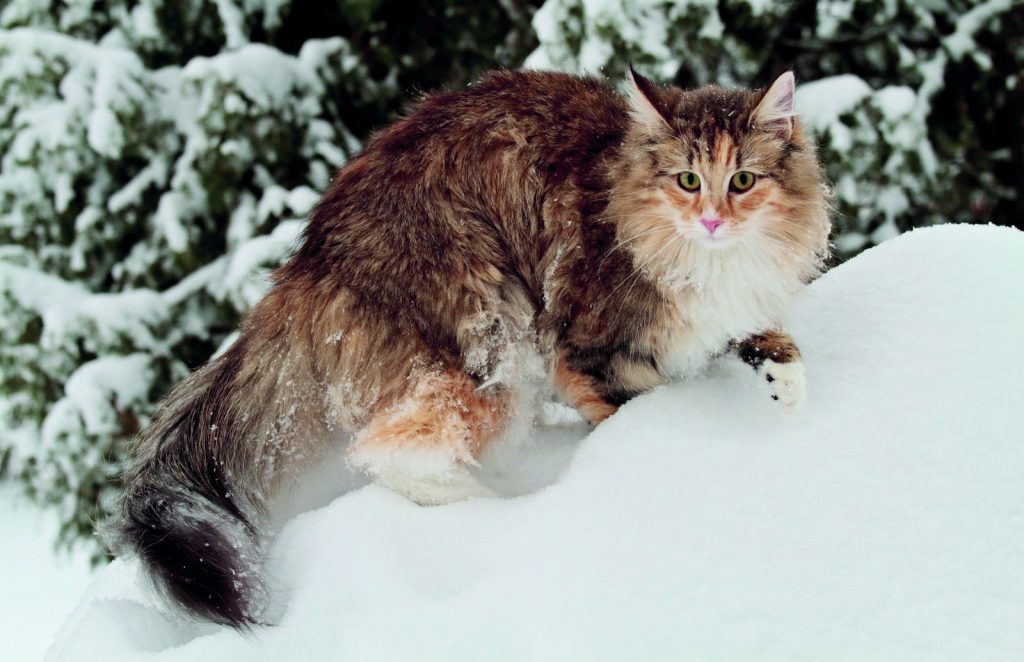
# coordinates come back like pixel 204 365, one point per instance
pixel 883 521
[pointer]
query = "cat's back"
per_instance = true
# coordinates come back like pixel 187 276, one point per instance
pixel 463 177
pixel 557 114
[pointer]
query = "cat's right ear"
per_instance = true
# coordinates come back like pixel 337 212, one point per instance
pixel 775 110
pixel 645 100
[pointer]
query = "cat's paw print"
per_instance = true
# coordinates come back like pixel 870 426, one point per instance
pixel 786 383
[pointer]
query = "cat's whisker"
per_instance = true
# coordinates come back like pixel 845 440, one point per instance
pixel 650 261
pixel 648 232
pixel 626 194
pixel 632 215
pixel 784 247
pixel 677 241
pixel 638 271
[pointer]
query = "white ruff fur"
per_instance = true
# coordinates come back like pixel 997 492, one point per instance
pixel 727 294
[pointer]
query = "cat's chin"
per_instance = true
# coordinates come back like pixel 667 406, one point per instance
pixel 715 243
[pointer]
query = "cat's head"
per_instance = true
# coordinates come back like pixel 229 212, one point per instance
pixel 720 170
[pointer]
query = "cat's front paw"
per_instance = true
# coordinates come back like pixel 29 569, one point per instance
pixel 787 383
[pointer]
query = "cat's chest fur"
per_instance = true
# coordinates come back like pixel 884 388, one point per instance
pixel 724 297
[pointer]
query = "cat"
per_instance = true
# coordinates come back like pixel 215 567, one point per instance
pixel 627 239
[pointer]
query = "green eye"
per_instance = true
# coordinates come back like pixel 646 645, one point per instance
pixel 742 181
pixel 689 181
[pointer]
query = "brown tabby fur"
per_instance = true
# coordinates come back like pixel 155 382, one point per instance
pixel 530 209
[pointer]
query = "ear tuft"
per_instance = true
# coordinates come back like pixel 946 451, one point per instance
pixel 646 102
pixel 775 110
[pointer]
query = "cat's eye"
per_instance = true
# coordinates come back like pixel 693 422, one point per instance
pixel 689 181
pixel 742 181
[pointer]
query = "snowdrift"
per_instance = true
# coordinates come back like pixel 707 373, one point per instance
pixel 885 520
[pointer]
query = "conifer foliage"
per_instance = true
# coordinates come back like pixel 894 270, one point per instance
pixel 158 157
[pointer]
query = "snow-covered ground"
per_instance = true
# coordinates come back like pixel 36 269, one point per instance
pixel 38 588
pixel 885 521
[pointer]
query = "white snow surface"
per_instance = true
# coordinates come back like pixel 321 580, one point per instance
pixel 883 521
pixel 39 587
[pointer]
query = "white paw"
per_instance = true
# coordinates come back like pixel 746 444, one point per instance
pixel 454 485
pixel 787 383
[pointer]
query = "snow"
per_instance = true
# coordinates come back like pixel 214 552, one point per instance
pixel 97 390
pixel 883 521
pixel 605 26
pixel 961 42
pixel 823 101
pixel 234 23
pixel 263 74
pixel 40 587
pixel 69 310
pixel 242 280
pixel 104 83
pixel 168 221
pixel 153 174
pixel 891 140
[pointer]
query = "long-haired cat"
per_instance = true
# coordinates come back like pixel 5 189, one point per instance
pixel 625 239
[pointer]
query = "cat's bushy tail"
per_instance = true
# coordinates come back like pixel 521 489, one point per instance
pixel 202 553
pixel 192 510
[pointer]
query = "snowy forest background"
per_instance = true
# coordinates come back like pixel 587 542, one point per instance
pixel 159 156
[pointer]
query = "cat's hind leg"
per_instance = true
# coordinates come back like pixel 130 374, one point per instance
pixel 581 391
pixel 423 445
pixel 775 357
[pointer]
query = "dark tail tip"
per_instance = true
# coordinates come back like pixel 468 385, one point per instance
pixel 204 557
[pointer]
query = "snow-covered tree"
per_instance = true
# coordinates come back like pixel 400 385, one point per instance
pixel 158 156
pixel 917 104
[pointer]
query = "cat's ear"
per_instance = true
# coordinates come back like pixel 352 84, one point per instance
pixel 775 110
pixel 646 102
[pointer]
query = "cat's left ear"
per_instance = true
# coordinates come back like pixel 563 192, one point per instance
pixel 646 102
pixel 775 110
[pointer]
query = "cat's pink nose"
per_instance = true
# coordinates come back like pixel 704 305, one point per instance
pixel 711 224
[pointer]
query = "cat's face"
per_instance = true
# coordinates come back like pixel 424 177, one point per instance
pixel 719 189
pixel 715 169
